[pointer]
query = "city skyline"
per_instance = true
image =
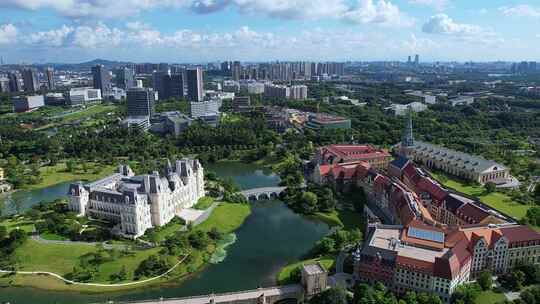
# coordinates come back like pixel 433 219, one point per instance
pixel 40 31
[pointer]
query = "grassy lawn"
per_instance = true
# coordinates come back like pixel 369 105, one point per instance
pixel 57 258
pixel 34 256
pixel 52 236
pixel 347 219
pixel 93 110
pixel 284 276
pixel 18 223
pixel 58 173
pixel 497 200
pixel 490 297
pixel 204 203
pixel 226 217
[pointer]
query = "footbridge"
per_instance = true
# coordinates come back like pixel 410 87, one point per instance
pixel 264 193
pixel 270 295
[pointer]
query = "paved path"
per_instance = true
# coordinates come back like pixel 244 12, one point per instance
pixel 281 291
pixel 39 239
pixel 52 274
pixel 340 260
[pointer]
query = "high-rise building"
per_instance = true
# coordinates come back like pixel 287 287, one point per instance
pixel 14 82
pixel 140 102
pixel 30 77
pixel 416 59
pixel 101 79
pixel 125 78
pixel 174 86
pixel 226 67
pixel 195 84
pixel 158 83
pixel 409 60
pixel 4 85
pixel 236 70
pixel 49 72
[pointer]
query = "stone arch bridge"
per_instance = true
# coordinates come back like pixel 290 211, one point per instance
pixel 264 193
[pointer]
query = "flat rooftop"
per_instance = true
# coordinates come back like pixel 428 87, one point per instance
pixel 388 239
pixel 314 269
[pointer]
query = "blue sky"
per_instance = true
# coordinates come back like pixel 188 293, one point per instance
pixel 260 30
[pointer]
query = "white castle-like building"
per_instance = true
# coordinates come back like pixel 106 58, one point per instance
pixel 137 203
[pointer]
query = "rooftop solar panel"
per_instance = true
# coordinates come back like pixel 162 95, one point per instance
pixel 428 235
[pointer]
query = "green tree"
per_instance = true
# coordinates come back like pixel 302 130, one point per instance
pixel 309 202
pixel 334 295
pixel 3 232
pixel 71 165
pixel 485 280
pixel 490 187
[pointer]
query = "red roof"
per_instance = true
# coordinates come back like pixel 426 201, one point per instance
pixel 352 152
pixel 435 190
pixel 415 264
pixel 518 234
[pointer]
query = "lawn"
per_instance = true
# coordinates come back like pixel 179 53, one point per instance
pixel 52 236
pixel 497 200
pixel 490 297
pixel 93 110
pixel 204 203
pixel 34 256
pixel 347 219
pixel 60 259
pixel 284 276
pixel 18 223
pixel 58 173
pixel 226 217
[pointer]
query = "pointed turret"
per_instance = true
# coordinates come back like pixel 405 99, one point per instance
pixel 407 139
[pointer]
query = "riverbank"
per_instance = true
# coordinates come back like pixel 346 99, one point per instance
pixel 61 259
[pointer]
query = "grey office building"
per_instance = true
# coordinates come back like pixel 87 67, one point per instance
pixel 195 86
pixel 30 78
pixel 159 78
pixel 174 86
pixel 14 82
pixel 49 72
pixel 140 102
pixel 125 78
pixel 101 79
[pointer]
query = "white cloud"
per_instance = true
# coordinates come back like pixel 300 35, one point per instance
pixel 435 4
pixel 100 36
pixel 50 38
pixel 442 24
pixel 522 10
pixel 8 33
pixel 361 11
pixel 383 12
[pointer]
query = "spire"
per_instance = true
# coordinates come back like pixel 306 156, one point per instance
pixel 408 139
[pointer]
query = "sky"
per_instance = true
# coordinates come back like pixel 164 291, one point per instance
pixel 40 31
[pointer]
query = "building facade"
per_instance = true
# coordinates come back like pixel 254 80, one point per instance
pixel 31 81
pixel 27 103
pixel 195 85
pixel 140 102
pixel 334 154
pixel 83 96
pixel 137 203
pixel 101 79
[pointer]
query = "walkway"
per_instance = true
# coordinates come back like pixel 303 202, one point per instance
pixel 282 292
pixel 39 239
pixel 52 274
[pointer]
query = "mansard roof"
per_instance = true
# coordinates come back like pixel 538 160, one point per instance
pixel 455 158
